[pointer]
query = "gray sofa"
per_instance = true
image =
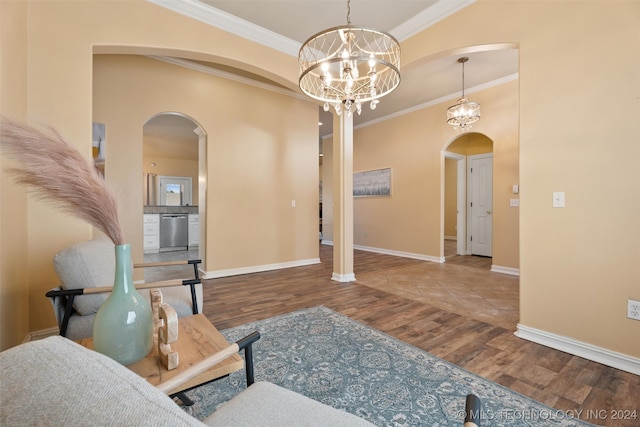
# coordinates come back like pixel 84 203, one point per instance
pixel 92 264
pixel 57 382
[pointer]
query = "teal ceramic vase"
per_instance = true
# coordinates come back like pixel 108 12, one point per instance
pixel 123 326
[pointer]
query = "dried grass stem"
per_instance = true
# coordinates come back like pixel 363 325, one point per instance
pixel 58 174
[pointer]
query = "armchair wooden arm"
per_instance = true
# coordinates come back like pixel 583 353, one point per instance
pixel 472 410
pixel 68 295
pixel 195 370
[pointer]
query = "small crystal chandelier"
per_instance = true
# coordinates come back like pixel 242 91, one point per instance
pixel 464 113
pixel 348 65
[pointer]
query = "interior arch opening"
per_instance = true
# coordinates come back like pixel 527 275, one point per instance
pixel 174 189
pixel 468 197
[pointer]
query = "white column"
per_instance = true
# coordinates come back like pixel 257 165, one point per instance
pixel 343 201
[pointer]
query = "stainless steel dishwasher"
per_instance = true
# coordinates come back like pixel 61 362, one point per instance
pixel 174 232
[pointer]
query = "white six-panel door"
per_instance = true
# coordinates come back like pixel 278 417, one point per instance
pixel 480 204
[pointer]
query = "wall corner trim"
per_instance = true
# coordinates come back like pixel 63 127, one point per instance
pixel 505 270
pixel 412 255
pixel 258 268
pixel 343 278
pixel 581 349
pixel 429 258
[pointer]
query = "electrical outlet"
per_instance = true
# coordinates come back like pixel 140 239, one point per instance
pixel 633 309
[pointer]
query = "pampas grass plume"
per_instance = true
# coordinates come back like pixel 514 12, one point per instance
pixel 58 174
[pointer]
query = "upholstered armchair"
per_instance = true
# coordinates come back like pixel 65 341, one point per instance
pixel 86 270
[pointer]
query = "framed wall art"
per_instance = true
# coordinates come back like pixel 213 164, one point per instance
pixel 372 183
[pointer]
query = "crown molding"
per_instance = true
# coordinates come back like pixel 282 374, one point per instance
pixel 265 86
pixel 436 101
pixel 245 29
pixel 428 17
pixel 230 23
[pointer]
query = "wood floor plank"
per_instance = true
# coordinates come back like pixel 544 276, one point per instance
pixel 552 377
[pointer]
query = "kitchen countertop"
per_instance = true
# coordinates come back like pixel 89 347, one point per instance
pixel 170 209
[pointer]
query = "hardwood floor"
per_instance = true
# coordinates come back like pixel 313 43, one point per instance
pixel 484 347
pixel 156 274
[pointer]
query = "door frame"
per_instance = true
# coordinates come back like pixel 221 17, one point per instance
pixel 461 194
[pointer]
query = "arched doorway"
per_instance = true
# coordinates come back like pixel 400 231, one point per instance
pixel 464 187
pixel 174 156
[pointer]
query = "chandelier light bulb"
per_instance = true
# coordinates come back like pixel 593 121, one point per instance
pixel 327 79
pixel 349 81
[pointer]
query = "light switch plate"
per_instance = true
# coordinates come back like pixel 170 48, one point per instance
pixel 558 199
pixel 514 202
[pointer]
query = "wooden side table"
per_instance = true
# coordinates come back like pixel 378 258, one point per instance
pixel 197 339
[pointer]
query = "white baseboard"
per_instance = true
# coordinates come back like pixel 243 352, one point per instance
pixel 400 254
pixel 343 278
pixel 40 334
pixel 505 270
pixel 494 268
pixel 411 255
pixel 579 348
pixel 258 268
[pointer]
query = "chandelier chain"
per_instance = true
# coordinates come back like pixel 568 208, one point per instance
pixel 463 113
pixel 463 78
pixel 348 12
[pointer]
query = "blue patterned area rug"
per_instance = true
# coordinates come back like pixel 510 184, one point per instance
pixel 340 362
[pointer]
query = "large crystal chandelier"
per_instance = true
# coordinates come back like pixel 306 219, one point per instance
pixel 463 113
pixel 348 65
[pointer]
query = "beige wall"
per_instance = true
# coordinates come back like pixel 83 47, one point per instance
pixel 470 144
pixel 577 130
pixel 578 133
pixel 60 41
pixel 578 265
pixel 411 220
pixel 256 165
pixel 14 265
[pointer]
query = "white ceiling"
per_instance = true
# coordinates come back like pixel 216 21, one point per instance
pixel 286 24
pixel 300 19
